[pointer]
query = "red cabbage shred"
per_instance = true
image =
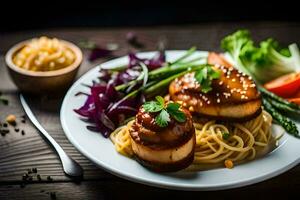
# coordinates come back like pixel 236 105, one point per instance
pixel 105 108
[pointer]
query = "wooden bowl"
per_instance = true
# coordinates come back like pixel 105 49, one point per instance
pixel 40 82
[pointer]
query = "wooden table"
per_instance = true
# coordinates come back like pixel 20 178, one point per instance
pixel 19 152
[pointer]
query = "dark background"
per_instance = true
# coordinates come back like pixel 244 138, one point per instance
pixel 24 15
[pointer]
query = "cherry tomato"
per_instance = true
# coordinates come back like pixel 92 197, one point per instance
pixel 285 86
pixel 215 58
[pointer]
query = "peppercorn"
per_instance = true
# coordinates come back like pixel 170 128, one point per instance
pixel 34 170
pixel 39 178
pixel 52 195
pixel 49 178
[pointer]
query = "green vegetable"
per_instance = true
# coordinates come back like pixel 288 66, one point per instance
pixel 152 106
pixel 173 110
pixel 204 77
pixel 163 117
pixel 285 122
pixel 273 96
pixel 225 135
pixel 165 72
pixel 282 107
pixel 264 62
pixel 4 101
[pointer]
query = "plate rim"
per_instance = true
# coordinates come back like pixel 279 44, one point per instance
pixel 156 183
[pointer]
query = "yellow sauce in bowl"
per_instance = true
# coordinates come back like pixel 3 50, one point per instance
pixel 44 54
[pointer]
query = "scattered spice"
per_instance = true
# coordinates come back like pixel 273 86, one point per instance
pixel 34 170
pixel 11 119
pixel 23 132
pixel 17 129
pixel 49 178
pixel 3 132
pixel 5 125
pixel 38 176
pixel 23 121
pixel 29 171
pixel 53 195
pixel 4 101
pixel 228 164
pixel 132 39
pixel 24 177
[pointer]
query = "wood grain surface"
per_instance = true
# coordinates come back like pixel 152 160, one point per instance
pixel 20 152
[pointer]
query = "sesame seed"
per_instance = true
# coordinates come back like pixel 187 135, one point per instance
pixel 191 108
pixel 218 100
pixel 233 80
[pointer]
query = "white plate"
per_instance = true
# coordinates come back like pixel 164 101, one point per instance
pixel 102 152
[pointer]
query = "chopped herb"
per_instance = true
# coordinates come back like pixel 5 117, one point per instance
pixel 4 101
pixel 173 109
pixel 5 125
pixel 204 77
pixel 225 135
pixel 153 106
pixel 163 118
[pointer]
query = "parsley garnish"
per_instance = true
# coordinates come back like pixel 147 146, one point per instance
pixel 225 135
pixel 165 111
pixel 204 77
pixel 4 101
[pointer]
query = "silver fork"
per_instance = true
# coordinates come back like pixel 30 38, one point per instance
pixel 70 166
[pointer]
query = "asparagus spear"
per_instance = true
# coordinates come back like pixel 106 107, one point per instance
pixel 285 122
pixel 281 106
pixel 273 96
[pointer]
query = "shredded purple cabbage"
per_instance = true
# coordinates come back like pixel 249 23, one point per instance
pixel 132 39
pixel 99 52
pixel 105 108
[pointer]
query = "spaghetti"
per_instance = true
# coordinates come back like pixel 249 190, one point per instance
pixel 243 142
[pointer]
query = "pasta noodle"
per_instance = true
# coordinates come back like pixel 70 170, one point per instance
pixel 244 141
pixel 44 54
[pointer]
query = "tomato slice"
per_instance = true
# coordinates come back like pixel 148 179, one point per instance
pixel 295 100
pixel 285 86
pixel 215 58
